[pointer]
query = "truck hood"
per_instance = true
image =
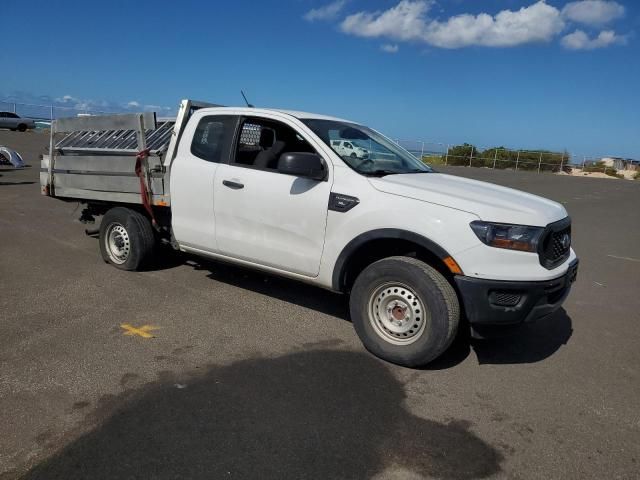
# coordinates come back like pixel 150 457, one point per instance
pixel 489 202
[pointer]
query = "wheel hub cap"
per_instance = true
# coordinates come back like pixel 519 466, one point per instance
pixel 118 243
pixel 396 313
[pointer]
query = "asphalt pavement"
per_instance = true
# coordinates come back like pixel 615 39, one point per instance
pixel 222 372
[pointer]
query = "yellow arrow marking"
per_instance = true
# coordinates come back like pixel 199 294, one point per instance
pixel 142 331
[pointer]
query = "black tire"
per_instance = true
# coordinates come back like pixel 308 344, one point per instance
pixel 353 155
pixel 22 127
pixel 133 234
pixel 426 298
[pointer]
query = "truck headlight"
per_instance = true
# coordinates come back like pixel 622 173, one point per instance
pixel 502 235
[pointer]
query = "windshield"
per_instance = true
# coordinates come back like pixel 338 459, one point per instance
pixel 365 150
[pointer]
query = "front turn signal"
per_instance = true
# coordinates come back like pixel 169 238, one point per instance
pixel 452 266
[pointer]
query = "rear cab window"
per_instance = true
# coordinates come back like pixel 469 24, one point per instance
pixel 213 138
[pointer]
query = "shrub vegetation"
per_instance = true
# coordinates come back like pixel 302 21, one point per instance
pixel 500 157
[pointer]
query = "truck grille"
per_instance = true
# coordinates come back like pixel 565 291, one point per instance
pixel 555 245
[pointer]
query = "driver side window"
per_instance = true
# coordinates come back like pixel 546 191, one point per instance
pixel 261 142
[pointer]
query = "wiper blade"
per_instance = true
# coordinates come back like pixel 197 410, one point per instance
pixel 380 173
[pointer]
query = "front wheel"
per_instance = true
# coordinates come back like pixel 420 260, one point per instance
pixel 22 127
pixel 404 311
pixel 126 238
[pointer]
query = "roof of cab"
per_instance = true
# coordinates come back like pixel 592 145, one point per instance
pixel 293 113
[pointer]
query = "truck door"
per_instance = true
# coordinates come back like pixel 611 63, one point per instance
pixel 264 216
pixel 205 142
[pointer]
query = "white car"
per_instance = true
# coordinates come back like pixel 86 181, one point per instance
pixel 417 251
pixel 345 148
pixel 13 121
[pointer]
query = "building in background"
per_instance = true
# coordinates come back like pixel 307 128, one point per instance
pixel 618 163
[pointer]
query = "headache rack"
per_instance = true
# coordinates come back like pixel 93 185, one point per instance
pixel 94 157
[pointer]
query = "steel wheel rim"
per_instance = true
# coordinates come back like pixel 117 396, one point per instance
pixel 118 243
pixel 397 314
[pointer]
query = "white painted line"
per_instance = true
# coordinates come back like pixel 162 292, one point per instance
pixel 625 258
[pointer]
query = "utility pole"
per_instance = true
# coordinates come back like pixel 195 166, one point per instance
pixel 539 162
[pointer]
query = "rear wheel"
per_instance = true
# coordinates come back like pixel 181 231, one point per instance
pixel 404 311
pixel 126 239
pixel 22 127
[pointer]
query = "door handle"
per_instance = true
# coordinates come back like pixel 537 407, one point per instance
pixel 231 184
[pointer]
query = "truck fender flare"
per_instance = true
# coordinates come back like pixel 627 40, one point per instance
pixel 380 234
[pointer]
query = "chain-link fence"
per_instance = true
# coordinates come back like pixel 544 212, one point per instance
pixel 465 154
pixel 46 112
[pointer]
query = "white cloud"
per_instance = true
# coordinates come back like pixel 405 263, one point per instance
pixel 539 22
pixel 389 48
pixel 579 40
pixel 409 21
pixel 67 99
pixel 133 104
pixel 327 12
pixel 593 12
pixel 405 21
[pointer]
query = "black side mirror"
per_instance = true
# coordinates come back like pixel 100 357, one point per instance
pixel 302 164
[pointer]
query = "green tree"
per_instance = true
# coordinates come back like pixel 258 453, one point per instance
pixel 461 154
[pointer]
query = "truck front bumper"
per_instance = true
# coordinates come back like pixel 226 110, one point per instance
pixel 496 302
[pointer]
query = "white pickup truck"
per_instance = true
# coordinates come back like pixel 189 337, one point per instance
pixel 417 251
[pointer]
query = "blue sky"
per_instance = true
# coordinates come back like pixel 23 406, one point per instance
pixel 516 73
